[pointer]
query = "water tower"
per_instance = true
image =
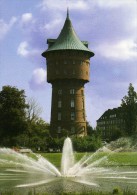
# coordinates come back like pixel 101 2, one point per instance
pixel 68 69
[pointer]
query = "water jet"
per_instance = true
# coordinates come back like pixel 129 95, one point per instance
pixel 20 171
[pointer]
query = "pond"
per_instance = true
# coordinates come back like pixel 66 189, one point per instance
pixel 12 182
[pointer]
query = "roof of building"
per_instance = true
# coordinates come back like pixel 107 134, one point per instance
pixel 111 113
pixel 67 40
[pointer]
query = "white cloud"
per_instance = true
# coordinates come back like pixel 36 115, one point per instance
pixel 5 27
pixel 26 18
pixel 38 79
pixel 53 24
pixel 25 51
pixel 114 3
pixel 122 50
pixel 62 5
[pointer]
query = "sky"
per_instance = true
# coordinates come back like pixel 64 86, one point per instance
pixel 110 27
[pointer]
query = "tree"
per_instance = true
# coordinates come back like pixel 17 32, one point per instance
pixel 90 130
pixel 129 107
pixel 33 110
pixel 12 112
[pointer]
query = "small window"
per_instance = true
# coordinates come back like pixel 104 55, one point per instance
pixel 83 116
pixel 73 72
pixel 83 128
pixel 82 92
pixel 72 116
pixel 59 129
pixel 86 72
pixel 72 91
pixel 59 116
pixel 65 72
pixel 57 72
pixel 60 91
pixel 72 104
pixel 59 104
pixel 73 61
pixel 73 129
pixel 81 72
pixel 83 104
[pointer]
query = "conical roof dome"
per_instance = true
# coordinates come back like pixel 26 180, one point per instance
pixel 68 40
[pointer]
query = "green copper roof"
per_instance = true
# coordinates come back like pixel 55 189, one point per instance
pixel 68 40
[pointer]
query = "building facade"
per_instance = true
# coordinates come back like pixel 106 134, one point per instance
pixel 111 124
pixel 68 69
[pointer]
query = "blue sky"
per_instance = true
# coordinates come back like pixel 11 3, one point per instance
pixel 110 27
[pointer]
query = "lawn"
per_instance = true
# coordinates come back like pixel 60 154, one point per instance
pixel 120 158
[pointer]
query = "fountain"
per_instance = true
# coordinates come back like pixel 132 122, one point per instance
pixel 19 171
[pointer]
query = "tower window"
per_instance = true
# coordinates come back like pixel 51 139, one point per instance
pixel 59 104
pixel 73 61
pixel 82 92
pixel 83 128
pixel 59 116
pixel 83 104
pixel 59 129
pixel 73 72
pixel 60 91
pixel 73 129
pixel 72 91
pixel 57 72
pixel 72 104
pixel 65 72
pixel 72 116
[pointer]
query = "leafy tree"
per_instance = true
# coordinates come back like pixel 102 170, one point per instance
pixel 39 135
pixel 12 112
pixel 90 130
pixel 129 106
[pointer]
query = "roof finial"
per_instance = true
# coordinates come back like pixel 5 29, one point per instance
pixel 67 13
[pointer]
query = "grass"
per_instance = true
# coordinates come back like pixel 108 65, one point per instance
pixel 114 192
pixel 120 159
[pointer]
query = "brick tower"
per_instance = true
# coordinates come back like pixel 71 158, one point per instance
pixel 68 68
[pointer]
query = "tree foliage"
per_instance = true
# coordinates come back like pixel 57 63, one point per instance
pixel 129 107
pixel 12 111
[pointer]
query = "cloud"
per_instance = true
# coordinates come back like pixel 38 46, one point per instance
pixel 62 5
pixel 6 27
pixel 26 18
pixel 25 50
pixel 38 79
pixel 114 3
pixel 52 24
pixel 122 50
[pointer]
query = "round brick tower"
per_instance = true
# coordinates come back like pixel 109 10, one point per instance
pixel 68 68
